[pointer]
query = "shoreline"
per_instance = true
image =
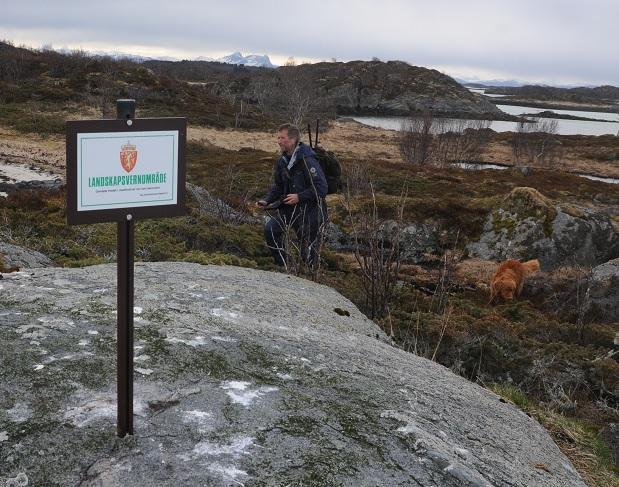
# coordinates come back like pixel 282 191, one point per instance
pixel 558 105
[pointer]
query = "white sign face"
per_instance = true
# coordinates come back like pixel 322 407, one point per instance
pixel 117 170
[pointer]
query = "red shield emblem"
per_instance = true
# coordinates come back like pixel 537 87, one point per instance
pixel 128 156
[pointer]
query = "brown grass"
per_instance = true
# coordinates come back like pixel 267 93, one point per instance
pixel 350 140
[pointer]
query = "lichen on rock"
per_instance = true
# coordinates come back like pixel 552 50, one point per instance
pixel 274 388
pixel 528 225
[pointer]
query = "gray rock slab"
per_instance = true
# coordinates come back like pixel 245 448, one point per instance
pixel 243 377
pixel 22 258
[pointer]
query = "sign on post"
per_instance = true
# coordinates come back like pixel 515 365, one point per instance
pixel 117 171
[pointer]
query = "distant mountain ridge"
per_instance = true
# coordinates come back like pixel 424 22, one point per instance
pixel 249 60
pixel 255 60
pixel 512 83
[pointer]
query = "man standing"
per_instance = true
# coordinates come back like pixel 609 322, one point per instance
pixel 298 192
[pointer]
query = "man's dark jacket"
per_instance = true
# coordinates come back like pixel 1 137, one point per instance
pixel 305 178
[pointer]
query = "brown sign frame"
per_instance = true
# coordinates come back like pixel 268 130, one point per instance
pixel 75 127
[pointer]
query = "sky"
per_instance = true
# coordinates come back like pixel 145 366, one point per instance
pixel 555 42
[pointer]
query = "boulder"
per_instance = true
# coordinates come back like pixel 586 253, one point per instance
pixel 528 225
pixel 604 291
pixel 418 241
pixel 209 205
pixel 242 377
pixel 13 257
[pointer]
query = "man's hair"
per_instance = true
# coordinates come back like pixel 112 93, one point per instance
pixel 292 130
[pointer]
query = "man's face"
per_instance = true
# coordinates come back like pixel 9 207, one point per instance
pixel 286 144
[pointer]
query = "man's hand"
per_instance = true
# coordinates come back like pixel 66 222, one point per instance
pixel 291 199
pixel 261 203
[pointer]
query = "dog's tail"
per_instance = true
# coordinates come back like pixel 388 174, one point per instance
pixel 531 266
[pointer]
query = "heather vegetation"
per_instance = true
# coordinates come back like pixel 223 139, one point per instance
pixel 544 352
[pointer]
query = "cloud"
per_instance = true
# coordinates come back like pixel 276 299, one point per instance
pixel 554 40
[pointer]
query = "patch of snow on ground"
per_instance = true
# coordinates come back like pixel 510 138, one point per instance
pixel 240 393
pixel 224 339
pixel 236 448
pixel 19 413
pixel 16 173
pixel 229 472
pixel 195 342
pixel 98 407
pixel 222 313
pixel 200 418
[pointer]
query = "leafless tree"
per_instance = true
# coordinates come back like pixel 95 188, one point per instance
pixel 296 93
pixel 262 91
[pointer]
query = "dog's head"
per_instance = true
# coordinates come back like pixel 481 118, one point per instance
pixel 506 288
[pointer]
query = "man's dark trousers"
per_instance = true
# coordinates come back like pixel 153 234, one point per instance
pixel 306 221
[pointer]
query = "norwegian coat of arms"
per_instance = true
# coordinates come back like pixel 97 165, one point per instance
pixel 128 156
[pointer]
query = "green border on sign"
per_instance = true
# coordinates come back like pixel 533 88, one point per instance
pixel 174 150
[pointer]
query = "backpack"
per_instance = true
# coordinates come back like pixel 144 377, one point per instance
pixel 331 169
pixel 328 162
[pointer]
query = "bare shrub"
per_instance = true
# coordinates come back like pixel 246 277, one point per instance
pixel 571 298
pixel 358 179
pixel 377 243
pixel 439 141
pixel 301 254
pixel 416 138
pixel 446 280
pixel 535 143
pixel 459 141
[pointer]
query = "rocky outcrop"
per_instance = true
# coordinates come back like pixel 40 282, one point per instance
pixel 529 226
pixel 242 377
pixel 14 257
pixel 351 88
pixel 391 88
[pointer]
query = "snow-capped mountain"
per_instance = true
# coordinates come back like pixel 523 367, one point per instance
pixel 250 60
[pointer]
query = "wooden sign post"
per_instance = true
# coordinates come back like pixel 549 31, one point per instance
pixel 117 171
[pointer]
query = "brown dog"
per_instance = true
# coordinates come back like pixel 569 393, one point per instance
pixel 509 278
